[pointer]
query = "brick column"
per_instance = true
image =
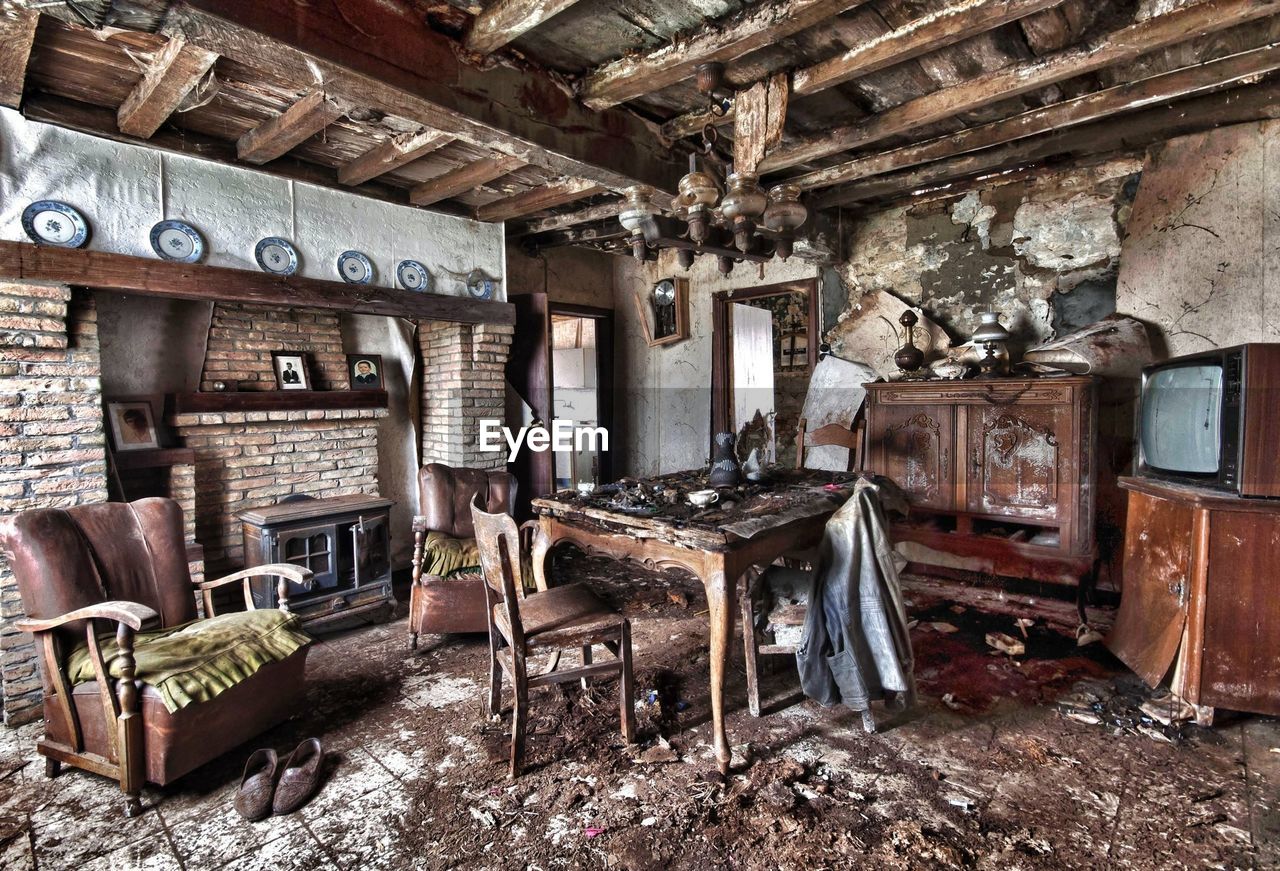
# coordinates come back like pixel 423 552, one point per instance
pixel 462 384
pixel 52 453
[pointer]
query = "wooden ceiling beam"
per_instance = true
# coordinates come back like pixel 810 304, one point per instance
pixel 464 178
pixel 598 212
pixel 505 20
pixel 17 35
pixel 1161 31
pixel 1139 130
pixel 757 26
pixel 550 195
pixel 395 65
pixel 304 119
pixel 959 21
pixel 391 155
pixel 1129 97
pixel 170 75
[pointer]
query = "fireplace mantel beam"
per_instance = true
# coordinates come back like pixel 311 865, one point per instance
pixel 102 270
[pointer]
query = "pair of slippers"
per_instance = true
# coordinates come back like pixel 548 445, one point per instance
pixel 269 787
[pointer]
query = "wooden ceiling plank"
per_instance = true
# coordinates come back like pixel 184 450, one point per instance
pixel 756 26
pixel 1161 31
pixel 391 155
pixel 17 35
pixel 955 23
pixel 1139 130
pixel 550 195
pixel 757 129
pixel 598 212
pixel 170 75
pixel 505 20
pixel 304 119
pixel 463 179
pixel 1174 85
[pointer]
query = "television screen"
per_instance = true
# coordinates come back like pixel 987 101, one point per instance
pixel 1181 419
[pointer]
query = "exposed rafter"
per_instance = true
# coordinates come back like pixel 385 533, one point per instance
pixel 304 119
pixel 1161 31
pixel 757 26
pixel 17 34
pixel 463 179
pixel 169 77
pixel 505 20
pixel 954 23
pixel 550 195
pixel 598 212
pixel 391 155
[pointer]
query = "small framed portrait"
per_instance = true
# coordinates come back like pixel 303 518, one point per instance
pixel 133 424
pixel 364 371
pixel 291 370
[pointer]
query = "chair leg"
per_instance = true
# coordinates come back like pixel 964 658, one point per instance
pixel 519 714
pixel 586 660
pixel 52 767
pixel 495 676
pixel 129 727
pixel 749 649
pixel 413 640
pixel 626 687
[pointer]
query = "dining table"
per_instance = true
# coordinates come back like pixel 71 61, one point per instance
pixel 653 522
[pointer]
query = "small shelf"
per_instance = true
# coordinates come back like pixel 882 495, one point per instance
pixel 211 402
pixel 154 458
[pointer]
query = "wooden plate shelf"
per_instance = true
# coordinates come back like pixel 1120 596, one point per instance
pixel 210 402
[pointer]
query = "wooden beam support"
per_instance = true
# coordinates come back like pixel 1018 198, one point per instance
pixel 144 276
pixel 550 195
pixel 598 212
pixel 505 20
pixel 1177 84
pixel 463 179
pixel 959 21
pixel 17 34
pixel 757 129
pixel 304 119
pixel 1138 131
pixel 1161 31
pixel 757 26
pixel 391 155
pixel 395 65
pixel 169 77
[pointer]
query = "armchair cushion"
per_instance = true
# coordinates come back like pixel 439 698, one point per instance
pixel 199 660
pixel 443 555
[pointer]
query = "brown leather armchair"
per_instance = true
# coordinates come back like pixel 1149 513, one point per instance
pixel 126 563
pixel 448 588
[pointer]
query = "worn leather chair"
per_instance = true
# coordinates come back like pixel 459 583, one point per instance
pixel 81 568
pixel 448 589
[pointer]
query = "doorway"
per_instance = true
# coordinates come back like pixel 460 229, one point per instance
pixel 764 348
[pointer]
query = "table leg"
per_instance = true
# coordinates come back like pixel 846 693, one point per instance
pixel 720 584
pixel 542 541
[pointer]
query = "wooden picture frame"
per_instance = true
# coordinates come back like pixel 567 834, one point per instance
pixel 645 310
pixel 290 368
pixel 132 421
pixel 364 372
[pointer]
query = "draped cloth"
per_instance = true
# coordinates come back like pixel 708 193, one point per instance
pixel 856 647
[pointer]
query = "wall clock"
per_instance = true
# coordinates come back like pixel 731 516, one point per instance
pixel 664 311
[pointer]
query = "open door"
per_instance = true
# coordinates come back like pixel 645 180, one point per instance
pixel 529 374
pixel 752 383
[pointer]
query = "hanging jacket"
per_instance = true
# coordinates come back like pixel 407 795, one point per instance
pixel 856 647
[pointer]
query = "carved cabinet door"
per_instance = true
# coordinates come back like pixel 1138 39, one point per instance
pixel 1017 460
pixel 914 445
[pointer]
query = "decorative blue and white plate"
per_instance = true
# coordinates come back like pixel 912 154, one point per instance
pixel 355 268
pixel 276 255
pixel 178 241
pixel 412 275
pixel 481 286
pixel 55 223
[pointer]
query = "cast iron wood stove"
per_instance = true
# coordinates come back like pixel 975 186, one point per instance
pixel 345 540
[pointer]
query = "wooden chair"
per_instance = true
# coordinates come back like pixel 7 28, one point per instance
pixel 522 625
pixel 851 437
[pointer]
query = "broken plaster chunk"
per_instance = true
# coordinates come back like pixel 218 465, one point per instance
pixel 1006 644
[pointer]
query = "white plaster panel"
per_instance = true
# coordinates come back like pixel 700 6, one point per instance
pixel 115 186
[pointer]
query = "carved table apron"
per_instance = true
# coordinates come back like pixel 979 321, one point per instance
pixel 717 557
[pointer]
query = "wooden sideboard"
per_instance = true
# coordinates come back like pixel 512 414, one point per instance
pixel 1000 473
pixel 1200 595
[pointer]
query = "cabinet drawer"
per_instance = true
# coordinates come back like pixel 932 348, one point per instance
pixel 974 393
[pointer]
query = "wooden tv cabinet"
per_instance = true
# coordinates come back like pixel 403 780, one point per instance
pixel 1200 594
pixel 1000 473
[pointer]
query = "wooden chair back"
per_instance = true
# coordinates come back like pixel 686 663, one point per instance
pixel 834 434
pixel 498 539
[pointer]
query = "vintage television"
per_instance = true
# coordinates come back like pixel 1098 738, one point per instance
pixel 1213 420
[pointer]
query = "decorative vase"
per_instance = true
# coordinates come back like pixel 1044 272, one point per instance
pixel 909 358
pixel 725 471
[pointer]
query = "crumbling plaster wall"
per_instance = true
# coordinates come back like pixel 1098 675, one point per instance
pixel 567 275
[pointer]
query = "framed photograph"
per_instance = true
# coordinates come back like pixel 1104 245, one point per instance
pixel 291 370
pixel 364 371
pixel 133 424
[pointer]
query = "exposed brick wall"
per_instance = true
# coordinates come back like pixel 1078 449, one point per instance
pixel 54 454
pixel 251 459
pixel 242 337
pixel 462 384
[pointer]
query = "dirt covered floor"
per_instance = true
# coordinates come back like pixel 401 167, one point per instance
pixel 1044 760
